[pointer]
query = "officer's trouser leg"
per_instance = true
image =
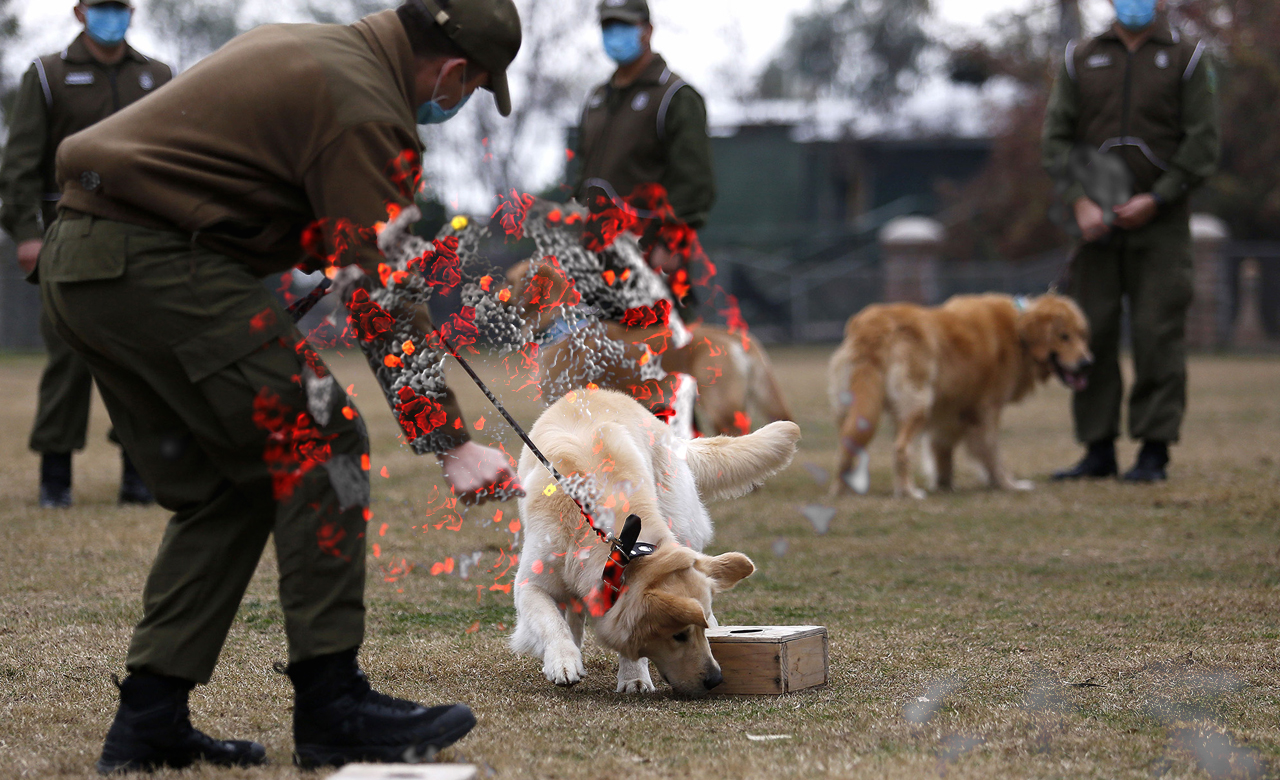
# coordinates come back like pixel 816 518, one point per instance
pixel 62 413
pixel 207 401
pixel 1097 284
pixel 1158 265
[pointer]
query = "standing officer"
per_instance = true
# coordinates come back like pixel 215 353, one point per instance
pixel 1145 92
pixel 645 125
pixel 172 211
pixel 61 94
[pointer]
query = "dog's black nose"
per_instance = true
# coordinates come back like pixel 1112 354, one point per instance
pixel 1085 364
pixel 712 680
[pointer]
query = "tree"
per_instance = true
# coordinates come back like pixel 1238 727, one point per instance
pixel 195 27
pixel 8 32
pixel 865 49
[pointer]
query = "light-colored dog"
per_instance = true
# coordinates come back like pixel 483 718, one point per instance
pixel 944 375
pixel 639 467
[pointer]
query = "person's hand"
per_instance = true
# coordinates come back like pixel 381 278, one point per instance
pixel 477 474
pixel 1090 219
pixel 662 259
pixel 1136 212
pixel 28 254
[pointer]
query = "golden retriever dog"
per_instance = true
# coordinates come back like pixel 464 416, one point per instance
pixel 736 383
pixel 638 466
pixel 944 375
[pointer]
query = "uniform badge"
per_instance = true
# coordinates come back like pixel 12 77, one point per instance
pixel 1098 61
pixel 639 102
pixel 145 81
pixel 79 78
pixel 1162 59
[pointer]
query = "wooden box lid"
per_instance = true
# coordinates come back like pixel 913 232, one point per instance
pixel 762 633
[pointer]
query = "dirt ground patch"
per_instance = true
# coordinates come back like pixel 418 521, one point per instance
pixel 1085 630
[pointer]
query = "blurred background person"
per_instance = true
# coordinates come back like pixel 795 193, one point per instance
pixel 645 125
pixel 1143 91
pixel 63 93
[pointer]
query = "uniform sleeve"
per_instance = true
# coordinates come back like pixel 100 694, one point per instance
pixel 689 178
pixel 1197 156
pixel 1060 120
pixel 164 73
pixel 21 179
pixel 352 183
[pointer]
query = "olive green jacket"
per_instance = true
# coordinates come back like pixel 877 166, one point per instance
pixel 652 130
pixel 285 128
pixel 62 94
pixel 1155 107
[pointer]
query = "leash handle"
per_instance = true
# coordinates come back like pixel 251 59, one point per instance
pixel 299 308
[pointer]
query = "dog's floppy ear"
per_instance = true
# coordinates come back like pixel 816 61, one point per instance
pixel 729 466
pixel 725 570
pixel 668 611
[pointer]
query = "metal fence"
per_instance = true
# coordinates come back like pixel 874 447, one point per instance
pixel 787 302
pixel 19 303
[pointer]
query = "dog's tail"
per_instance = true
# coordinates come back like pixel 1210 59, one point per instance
pixel 762 386
pixel 730 466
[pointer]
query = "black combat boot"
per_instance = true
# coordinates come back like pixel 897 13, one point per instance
pixel 1153 458
pixel 1098 462
pixel 55 480
pixel 133 490
pixel 338 718
pixel 153 729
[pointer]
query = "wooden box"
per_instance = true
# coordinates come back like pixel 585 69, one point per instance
pixel 769 659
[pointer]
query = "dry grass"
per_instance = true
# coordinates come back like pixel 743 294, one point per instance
pixel 1163 599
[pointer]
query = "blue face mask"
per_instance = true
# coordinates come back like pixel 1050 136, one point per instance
pixel 1135 14
pixel 622 43
pixel 107 24
pixel 432 113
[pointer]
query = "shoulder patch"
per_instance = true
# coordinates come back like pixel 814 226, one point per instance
pixel 146 81
pixel 640 102
pixel 79 78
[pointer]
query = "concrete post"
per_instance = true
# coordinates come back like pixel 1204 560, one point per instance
pixel 909 252
pixel 1248 332
pixel 1209 281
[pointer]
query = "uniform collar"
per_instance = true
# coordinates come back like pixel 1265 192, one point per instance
pixel 386 36
pixel 78 53
pixel 1162 32
pixel 656 72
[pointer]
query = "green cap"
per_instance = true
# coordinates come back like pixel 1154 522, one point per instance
pixel 488 31
pixel 128 3
pixel 629 11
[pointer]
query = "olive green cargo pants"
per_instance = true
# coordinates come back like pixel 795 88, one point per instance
pixel 199 369
pixel 66 388
pixel 1151 268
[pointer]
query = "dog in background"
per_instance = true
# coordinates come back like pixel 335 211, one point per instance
pixel 944 375
pixel 638 466
pixel 736 383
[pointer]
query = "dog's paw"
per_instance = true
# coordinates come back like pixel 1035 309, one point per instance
pixel 564 670
pixel 635 686
pixel 916 493
pixel 1021 484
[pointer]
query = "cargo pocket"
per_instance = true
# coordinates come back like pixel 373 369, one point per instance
pixel 233 362
pixel 84 249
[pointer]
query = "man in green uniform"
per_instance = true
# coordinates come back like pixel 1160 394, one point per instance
pixel 61 94
pixel 172 210
pixel 645 125
pixel 1145 92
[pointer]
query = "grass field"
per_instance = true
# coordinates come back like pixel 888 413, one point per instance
pixel 1083 630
